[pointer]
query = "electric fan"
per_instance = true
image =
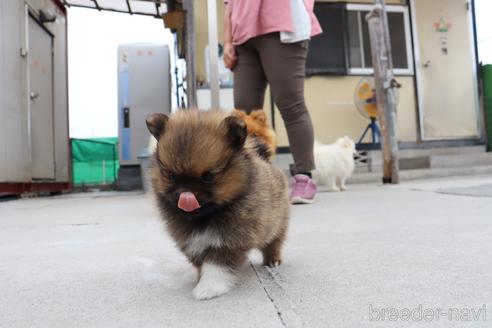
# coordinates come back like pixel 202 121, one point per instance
pixel 365 101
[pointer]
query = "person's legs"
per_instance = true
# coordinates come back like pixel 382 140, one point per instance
pixel 249 79
pixel 284 66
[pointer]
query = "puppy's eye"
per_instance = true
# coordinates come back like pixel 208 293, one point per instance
pixel 207 177
pixel 171 176
pixel 165 172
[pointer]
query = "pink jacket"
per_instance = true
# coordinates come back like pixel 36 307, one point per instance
pixel 250 18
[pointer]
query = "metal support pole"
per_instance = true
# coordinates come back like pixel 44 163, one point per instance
pixel 213 53
pixel 385 93
pixel 190 53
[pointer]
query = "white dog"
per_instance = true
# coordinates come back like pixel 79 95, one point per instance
pixel 334 163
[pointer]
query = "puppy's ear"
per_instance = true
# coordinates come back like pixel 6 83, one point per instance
pixel 235 131
pixel 347 142
pixel 259 116
pixel 156 123
pixel 238 113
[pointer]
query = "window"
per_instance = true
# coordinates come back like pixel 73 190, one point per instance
pixel 327 50
pixel 344 47
pixel 359 47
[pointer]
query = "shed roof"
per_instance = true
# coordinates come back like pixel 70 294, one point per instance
pixel 153 8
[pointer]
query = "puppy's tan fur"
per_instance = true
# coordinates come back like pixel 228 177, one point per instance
pixel 259 128
pixel 246 205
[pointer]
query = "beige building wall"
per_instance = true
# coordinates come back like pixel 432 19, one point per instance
pixel 201 28
pixel 330 99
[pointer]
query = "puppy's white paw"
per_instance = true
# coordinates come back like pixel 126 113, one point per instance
pixel 206 291
pixel 335 188
pixel 343 188
pixel 215 281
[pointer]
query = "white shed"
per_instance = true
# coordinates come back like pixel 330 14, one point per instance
pixel 34 140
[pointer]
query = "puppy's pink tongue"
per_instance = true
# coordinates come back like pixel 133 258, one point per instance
pixel 187 202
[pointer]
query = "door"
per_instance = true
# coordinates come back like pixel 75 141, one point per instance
pixel 446 72
pixel 143 89
pixel 41 101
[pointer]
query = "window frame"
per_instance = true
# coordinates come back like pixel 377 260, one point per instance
pixel 408 39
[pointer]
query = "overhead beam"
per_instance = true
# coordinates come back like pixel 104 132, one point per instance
pixel 129 7
pixel 113 10
pixel 97 5
pixel 157 9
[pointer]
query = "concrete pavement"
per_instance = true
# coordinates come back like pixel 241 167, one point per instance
pixel 352 259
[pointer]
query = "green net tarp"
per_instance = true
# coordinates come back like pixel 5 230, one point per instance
pixel 94 161
pixel 487 83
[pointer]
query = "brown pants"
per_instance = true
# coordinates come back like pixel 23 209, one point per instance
pixel 265 59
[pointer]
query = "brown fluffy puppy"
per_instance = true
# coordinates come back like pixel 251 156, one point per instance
pixel 260 129
pixel 218 198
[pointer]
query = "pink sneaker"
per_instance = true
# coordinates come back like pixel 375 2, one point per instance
pixel 303 190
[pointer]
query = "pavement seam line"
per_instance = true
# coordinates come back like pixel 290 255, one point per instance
pixel 450 193
pixel 285 310
pixel 279 312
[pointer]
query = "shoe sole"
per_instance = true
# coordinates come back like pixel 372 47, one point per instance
pixel 300 200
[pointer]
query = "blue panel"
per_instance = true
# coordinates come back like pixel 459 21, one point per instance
pixel 125 140
pixel 124 102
